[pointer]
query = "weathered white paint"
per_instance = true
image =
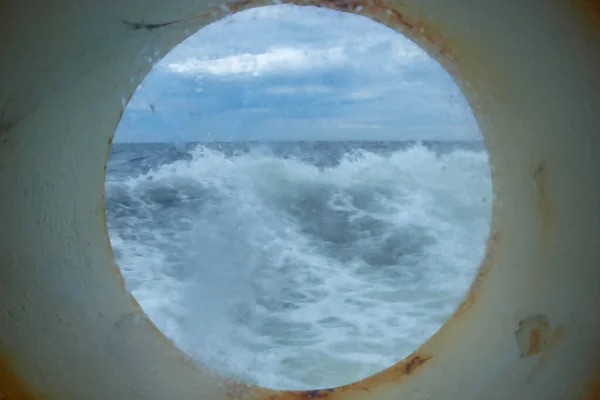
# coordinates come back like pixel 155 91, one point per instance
pixel 530 328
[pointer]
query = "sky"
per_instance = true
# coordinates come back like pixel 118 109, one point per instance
pixel 296 73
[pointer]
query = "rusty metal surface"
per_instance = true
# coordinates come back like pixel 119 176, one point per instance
pixel 528 328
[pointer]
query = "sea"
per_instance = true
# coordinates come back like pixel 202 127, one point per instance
pixel 298 265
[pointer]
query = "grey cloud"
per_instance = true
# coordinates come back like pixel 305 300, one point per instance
pixel 380 84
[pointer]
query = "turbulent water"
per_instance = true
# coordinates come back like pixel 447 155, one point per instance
pixel 299 265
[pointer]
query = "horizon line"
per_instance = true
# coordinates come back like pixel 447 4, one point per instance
pixel 176 142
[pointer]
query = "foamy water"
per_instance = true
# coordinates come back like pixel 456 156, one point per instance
pixel 299 268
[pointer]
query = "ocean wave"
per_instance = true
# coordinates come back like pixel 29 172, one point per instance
pixel 291 273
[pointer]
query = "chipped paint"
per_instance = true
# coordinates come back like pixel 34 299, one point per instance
pixel 555 337
pixel 532 335
pixel 149 27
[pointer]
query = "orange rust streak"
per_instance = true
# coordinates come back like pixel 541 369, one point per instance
pixel 535 345
pixel 394 374
pixel 540 340
pixel 557 336
pixel 533 335
pixel 12 387
pixel 484 269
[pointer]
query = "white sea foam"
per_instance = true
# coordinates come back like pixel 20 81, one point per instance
pixel 291 275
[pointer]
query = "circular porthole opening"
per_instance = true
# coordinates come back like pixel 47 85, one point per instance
pixel 298 197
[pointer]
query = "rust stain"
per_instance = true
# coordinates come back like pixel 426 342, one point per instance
pixel 556 337
pixel 536 342
pixel 533 335
pixel 13 387
pixel 378 10
pixel 593 388
pixel 393 374
pixel 483 271
pixel 591 11
pixel 410 365
pixel 471 296
pixel 303 395
pixel 406 367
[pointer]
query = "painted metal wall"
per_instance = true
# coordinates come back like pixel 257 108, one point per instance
pixel 528 329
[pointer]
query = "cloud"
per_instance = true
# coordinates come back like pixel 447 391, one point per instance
pixel 274 60
pixel 365 94
pixel 288 72
pixel 291 39
pixel 298 90
pixel 369 54
pixel 361 126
